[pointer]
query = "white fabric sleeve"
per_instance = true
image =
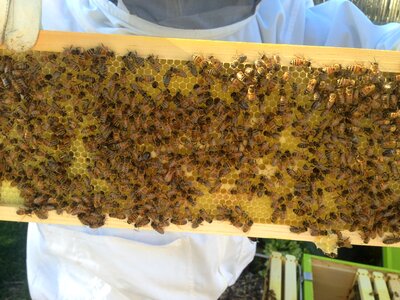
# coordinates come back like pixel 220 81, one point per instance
pixel 23 24
pixel 333 23
pixel 72 262
pixel 340 23
pixel 282 22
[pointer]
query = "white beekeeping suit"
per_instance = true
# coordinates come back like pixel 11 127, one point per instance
pixel 79 263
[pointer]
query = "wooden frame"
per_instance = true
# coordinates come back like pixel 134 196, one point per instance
pixel 275 274
pixel 183 49
pixel 380 286
pixel 334 279
pixel 394 285
pixel 290 289
pixel 281 277
pixel 364 285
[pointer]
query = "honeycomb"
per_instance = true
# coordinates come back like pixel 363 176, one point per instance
pixel 89 133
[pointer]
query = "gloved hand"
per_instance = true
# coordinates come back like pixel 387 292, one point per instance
pixel 20 23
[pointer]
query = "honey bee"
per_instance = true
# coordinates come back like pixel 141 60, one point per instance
pixel 349 94
pixel 179 221
pixel 239 210
pixel 345 218
pixel 236 222
pixel 260 67
pixel 205 215
pixel 294 91
pixel 240 59
pixel 196 222
pixel 249 71
pixel 331 101
pixel 21 66
pixel 241 76
pixel 215 64
pixel 154 63
pixel 142 221
pixel 391 144
pixel 367 89
pixel 192 68
pixel 117 215
pixel 244 105
pixel 178 72
pixel 285 77
pixel 213 72
pixel 292 173
pixel 389 240
pixel 157 227
pixel 41 213
pixel 332 69
pixel 391 152
pixel 86 78
pixel 5 81
pixel 316 101
pixel 167 77
pixel 93 220
pixel 72 51
pixel 345 82
pixel 272 82
pixel 19 85
pixel 393 100
pixel 137 60
pixel 223 213
pixel 272 63
pixel 374 68
pixel 251 93
pixel 395 114
pixel 129 64
pixel 102 50
pixel 168 177
pixel 17 73
pixel 282 105
pixel 259 63
pixel 296 229
pixel 247 225
pixel 199 61
pixel 299 61
pixel 144 156
pixel 276 59
pixel 145 78
pixel 357 69
pixel 24 211
pixel 311 86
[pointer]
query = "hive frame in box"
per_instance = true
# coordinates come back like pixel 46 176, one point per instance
pixel 326 278
pixel 182 49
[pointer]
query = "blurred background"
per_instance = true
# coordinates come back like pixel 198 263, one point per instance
pixel 379 11
pixel 13 282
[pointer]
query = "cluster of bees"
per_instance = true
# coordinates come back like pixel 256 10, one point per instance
pixel 153 151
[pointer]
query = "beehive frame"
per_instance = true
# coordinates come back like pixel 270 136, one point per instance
pixel 334 279
pixel 179 49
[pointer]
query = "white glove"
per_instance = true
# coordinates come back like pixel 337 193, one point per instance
pixel 20 23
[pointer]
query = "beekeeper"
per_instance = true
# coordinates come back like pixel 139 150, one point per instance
pixel 66 262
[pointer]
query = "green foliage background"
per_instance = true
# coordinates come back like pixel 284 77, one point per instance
pixel 13 280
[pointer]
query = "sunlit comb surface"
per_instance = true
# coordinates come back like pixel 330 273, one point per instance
pixel 159 141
